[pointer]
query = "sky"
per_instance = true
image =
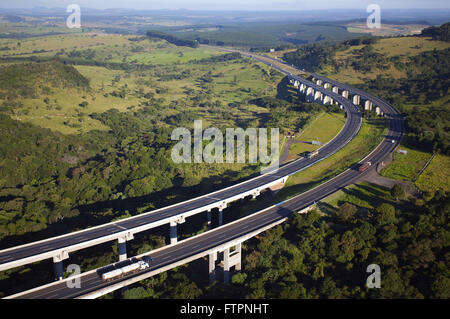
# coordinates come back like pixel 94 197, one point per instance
pixel 231 4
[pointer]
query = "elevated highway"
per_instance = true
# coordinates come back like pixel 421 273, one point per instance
pixel 60 247
pixel 224 237
pixel 210 243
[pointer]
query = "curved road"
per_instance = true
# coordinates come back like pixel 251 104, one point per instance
pixel 171 254
pixel 15 256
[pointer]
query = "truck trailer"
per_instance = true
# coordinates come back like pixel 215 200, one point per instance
pixel 364 167
pixel 126 270
pixel 313 154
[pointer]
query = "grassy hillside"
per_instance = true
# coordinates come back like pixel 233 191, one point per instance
pixel 30 80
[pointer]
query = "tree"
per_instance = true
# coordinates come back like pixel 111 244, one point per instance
pixel 385 214
pixel 397 191
pixel 347 212
pixel 330 290
pixel 137 293
pixel 441 287
pixel 239 278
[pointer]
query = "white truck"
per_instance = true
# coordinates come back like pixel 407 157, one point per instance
pixel 126 270
pixel 313 154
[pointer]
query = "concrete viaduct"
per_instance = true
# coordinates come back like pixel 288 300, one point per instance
pixel 331 92
pixel 58 248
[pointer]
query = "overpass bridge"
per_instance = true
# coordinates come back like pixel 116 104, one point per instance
pixel 213 241
pixel 58 248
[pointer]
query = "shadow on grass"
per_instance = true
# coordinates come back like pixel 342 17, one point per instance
pixel 370 194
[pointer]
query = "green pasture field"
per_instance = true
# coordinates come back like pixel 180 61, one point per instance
pixel 370 135
pixel 436 176
pixel 406 167
pixel 389 47
pixel 323 128
pixel 236 81
pixel 363 195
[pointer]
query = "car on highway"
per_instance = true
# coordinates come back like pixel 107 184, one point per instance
pixel 364 167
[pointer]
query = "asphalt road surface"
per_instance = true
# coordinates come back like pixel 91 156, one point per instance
pixel 349 130
pixel 93 282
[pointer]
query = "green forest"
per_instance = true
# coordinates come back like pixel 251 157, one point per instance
pixel 52 182
pixel 314 256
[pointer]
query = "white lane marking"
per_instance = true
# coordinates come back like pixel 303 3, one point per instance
pixel 120 227
pixel 214 198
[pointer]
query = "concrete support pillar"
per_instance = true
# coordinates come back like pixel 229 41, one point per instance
pixel 173 233
pixel 230 259
pixel 58 266
pixel 335 89
pixel 122 245
pixel 356 99
pixel 368 105
pixel 208 214
pixel 302 88
pixel 327 85
pixel 122 249
pixel 221 208
pixel 212 267
pixel 309 94
pixel 345 94
pixel 226 265
pixel 173 229
pixel 319 82
pixel 327 100
pixel 220 217
pixel 238 265
pixel 318 97
pixel 378 111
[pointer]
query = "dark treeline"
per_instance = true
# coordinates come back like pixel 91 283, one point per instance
pixel 219 58
pixel 276 48
pixel 290 113
pixel 172 39
pixel 438 33
pixel 82 61
pixel 428 80
pixel 312 56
